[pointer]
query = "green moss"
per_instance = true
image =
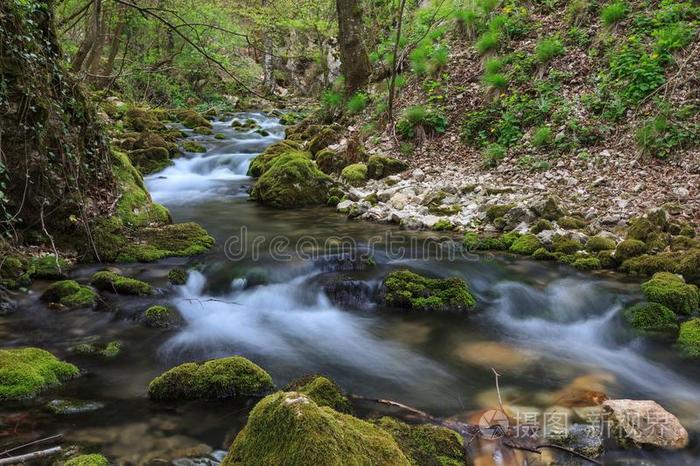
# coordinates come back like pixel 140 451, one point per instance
pixel 48 267
pixel 217 378
pixel 541 225
pixel 111 349
pixel 322 390
pixel 571 223
pixel 329 161
pixel 192 146
pixel 176 240
pixel 684 243
pixel 408 290
pixel 689 338
pixel 177 276
pixel 587 263
pixel 219 136
pixel 87 460
pixel 25 372
pixel 640 229
pixel 115 283
pixel 473 242
pixel 160 317
pixel 292 181
pixel 600 243
pixel 443 225
pixel 542 254
pixel 70 294
pixel 526 245
pixel 379 167
pixel 261 163
pixel 550 209
pixel 323 139
pixel 142 119
pixel 497 211
pixel 646 264
pixel 671 291
pixel 203 130
pixel 566 245
pixel 192 119
pixel 607 259
pixel 355 174
pixel 651 318
pixel 290 428
pixel 426 444
pixel 150 160
pixel 629 248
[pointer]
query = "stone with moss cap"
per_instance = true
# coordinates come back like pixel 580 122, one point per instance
pixel 161 317
pixel 191 119
pixel 323 390
pixel 425 444
pixel 330 161
pixel 689 338
pixel 380 167
pixel 142 119
pixel 652 318
pixel 473 242
pixel 323 139
pixel 290 428
pixel 87 460
pixel 115 283
pixel 177 276
pixel 629 248
pixel 192 146
pixel 25 372
pixel 526 245
pixel 355 174
pixel 293 180
pixel 70 294
pixel 587 263
pixel 48 266
pixel 673 292
pixel 261 163
pixel 408 290
pixel 565 245
pixel 174 240
pixel 216 378
pixel 600 243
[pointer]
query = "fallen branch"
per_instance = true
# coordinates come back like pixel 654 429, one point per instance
pixel 34 442
pixel 31 456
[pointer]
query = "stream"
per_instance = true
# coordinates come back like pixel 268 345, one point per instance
pixel 546 328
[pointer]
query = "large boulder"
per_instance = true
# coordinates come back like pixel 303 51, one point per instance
pixel 293 180
pixel 673 292
pixel 408 290
pixel 290 428
pixel 644 423
pixel 216 378
pixel 262 162
pixel 323 390
pixel 25 372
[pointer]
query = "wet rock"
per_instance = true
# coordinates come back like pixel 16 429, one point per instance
pixel 344 206
pixel 7 305
pixel 586 439
pixel 644 423
pixel 68 407
pixel 349 293
pixel 548 208
pixel 161 317
pixel 25 372
pixel 354 261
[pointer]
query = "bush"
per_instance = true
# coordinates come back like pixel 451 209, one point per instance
pixel 331 100
pixel 493 154
pixel 547 49
pixel 493 65
pixel 488 42
pixel 496 81
pixel 660 137
pixel 357 102
pixel 542 137
pixel 613 13
pixel 429 119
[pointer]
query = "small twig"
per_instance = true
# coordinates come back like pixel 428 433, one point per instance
pixel 498 391
pixel 31 456
pixel 395 404
pixel 41 440
pixel 53 245
pixel 568 450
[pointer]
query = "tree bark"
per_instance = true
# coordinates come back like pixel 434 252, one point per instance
pixel 394 60
pixel 354 60
pixel 268 75
pixel 114 47
pixel 90 36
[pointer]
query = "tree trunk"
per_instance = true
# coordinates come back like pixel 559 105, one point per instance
pixel 90 36
pixel 355 64
pixel 95 56
pixel 268 75
pixel 394 60
pixel 114 48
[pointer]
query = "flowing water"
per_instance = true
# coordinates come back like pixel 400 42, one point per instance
pixel 547 329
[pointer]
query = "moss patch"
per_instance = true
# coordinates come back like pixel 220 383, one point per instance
pixel 526 245
pixel 322 390
pixel 689 338
pixel 290 428
pixel 192 119
pixel 87 460
pixel 600 243
pixel 425 445
pixel 379 167
pixel 498 211
pixel 176 240
pixel 115 283
pixel 217 378
pixel 292 181
pixel 70 294
pixel 408 290
pixel 49 267
pixel 587 263
pixel 261 163
pixel 191 146
pixel 651 318
pixel 671 291
pixel 160 317
pixel 323 139
pixel 355 174
pixel 25 372
pixel 177 276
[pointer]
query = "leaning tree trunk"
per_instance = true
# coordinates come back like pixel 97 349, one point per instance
pixel 355 64
pixel 90 36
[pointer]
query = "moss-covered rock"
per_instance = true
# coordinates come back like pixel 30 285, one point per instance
pixel 70 294
pixel 177 276
pixel 355 174
pixel 526 245
pixel 689 338
pixel 203 130
pixel 330 161
pixel 192 146
pixel 292 181
pixel 565 245
pixel 49 267
pixel 150 160
pixel 408 290
pixel 175 240
pixel 673 292
pixel 607 259
pixel 541 225
pixel 473 242
pixel 220 136
pixel 326 137
pixel 25 372
pixel 549 208
pixel 571 223
pixel 647 264
pixel 652 318
pixel 322 390
pixel 216 378
pixel 115 283
pixel 600 243
pixel 261 163
pixel 443 225
pixel 641 229
pixel 498 211
pixel 629 248
pixel 425 445
pixel 109 350
pixel 191 119
pixel 542 254
pixel 379 167
pixel 290 428
pixel 587 263
pixel 87 460
pixel 142 119
pixel 161 317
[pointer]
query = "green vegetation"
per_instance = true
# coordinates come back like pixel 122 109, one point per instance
pixel 425 444
pixel 191 146
pixel 115 283
pixel 25 372
pixel 526 245
pixel 689 338
pixel 322 390
pixel 420 119
pixel 177 276
pixel 600 243
pixel 379 167
pixel 355 174
pixel 629 248
pixel 613 13
pixel 547 49
pixel 87 460
pixel 542 137
pixel 408 290
pixel 109 351
pixel 217 378
pixel 70 294
pixel 671 291
pixel 160 317
pixel 652 318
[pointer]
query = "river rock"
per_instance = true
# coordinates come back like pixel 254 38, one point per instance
pixel 644 423
pixel 68 407
pixel 586 439
pixel 399 201
pixel 350 294
pixel 418 174
pixel 7 305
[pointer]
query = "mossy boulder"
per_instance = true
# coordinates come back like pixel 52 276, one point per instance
pixel 355 174
pixel 526 245
pixel 87 460
pixel 70 294
pixel 587 263
pixel 290 428
pixel 379 167
pixel 407 290
pixel 49 267
pixel 565 245
pixel 12 268
pixel 161 317
pixel 629 248
pixel 541 225
pixel 109 350
pixel 571 223
pixel 293 180
pixel 177 276
pixel 25 372
pixel 652 318
pixel 115 283
pixel 641 229
pixel 150 160
pixel 216 378
pixel 326 137
pixel 600 243
pixel 689 338
pixel 673 292
pixel 142 119
pixel 542 254
pixel 203 130
pixel 176 240
pixel 323 390
pixel 426 444
pixel 330 161
pixel 191 119
pixel 548 208
pixel 498 211
pixel 261 163
pixel 473 242
pixel 192 146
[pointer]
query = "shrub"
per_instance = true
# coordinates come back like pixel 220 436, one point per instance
pixel 613 13
pixel 493 154
pixel 468 21
pixel 493 65
pixel 438 59
pixel 429 119
pixel 577 12
pixel 496 81
pixel 673 37
pixel 660 137
pixel 331 100
pixel 488 42
pixel 357 102
pixel 547 49
pixel 542 137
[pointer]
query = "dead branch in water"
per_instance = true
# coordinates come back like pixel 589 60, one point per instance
pixel 31 456
pixel 29 444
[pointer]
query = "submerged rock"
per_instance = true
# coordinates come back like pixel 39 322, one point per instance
pixel 644 423
pixel 291 428
pixel 216 378
pixel 585 439
pixel 349 293
pixel 69 407
pixel 408 290
pixel 161 317
pixel 25 372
